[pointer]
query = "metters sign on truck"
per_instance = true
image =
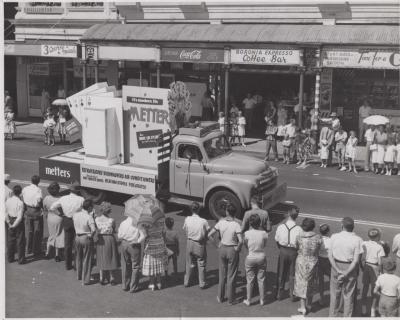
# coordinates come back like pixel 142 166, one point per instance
pixel 146 115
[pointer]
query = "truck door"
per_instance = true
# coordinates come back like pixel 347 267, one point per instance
pixel 188 171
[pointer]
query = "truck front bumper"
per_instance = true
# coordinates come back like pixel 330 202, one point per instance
pixel 274 196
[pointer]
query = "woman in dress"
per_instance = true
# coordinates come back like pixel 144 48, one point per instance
pixel 45 101
pixel 281 122
pixel 378 154
pixel 54 222
pixel 155 260
pixel 9 124
pixel 107 250
pixel 308 245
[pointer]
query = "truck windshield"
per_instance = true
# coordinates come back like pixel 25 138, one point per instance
pixel 217 146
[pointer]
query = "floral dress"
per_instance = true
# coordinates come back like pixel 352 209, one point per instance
pixel 155 258
pixel 9 124
pixel 308 244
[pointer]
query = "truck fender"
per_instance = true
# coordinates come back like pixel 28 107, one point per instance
pixel 226 186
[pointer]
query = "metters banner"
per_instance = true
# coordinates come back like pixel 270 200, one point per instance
pixel 146 115
pixel 117 180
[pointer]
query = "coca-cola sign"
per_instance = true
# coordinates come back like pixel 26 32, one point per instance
pixel 192 55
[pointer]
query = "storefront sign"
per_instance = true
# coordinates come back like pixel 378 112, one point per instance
pixel 371 59
pixel 60 171
pixel 192 55
pixel 148 139
pixel 55 50
pixel 117 180
pixel 265 56
pixel 128 53
pixel 90 52
pixel 39 69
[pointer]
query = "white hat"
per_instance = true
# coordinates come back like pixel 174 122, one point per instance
pixel 7 177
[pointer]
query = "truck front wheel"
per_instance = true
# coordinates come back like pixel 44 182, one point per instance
pixel 217 201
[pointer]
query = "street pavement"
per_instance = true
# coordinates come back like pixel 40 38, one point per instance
pixel 47 290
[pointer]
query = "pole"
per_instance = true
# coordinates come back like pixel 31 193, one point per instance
pixel 317 79
pixel 301 93
pixel 84 74
pixel 226 100
pixel 96 72
pixel 65 80
pixel 158 74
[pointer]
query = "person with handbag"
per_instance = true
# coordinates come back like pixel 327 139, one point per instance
pixel 378 150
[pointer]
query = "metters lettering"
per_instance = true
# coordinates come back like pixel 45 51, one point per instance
pixel 56 171
pixel 149 115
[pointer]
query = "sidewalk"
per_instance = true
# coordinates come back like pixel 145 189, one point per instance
pixel 252 144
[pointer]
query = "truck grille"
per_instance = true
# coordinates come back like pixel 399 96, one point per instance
pixel 267 184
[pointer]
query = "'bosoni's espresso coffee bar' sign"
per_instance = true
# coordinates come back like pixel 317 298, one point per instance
pixel 371 59
pixel 192 55
pixel 265 56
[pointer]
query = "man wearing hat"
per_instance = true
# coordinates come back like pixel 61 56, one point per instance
pixel 33 199
pixel 196 229
pixel 70 204
pixel 327 134
pixel 7 191
pixel 388 288
pixel 372 255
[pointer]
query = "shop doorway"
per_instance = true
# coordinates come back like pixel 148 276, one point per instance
pixel 277 87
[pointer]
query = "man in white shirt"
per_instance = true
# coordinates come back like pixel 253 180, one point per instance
pixel 7 191
pixel 33 198
pixel 196 229
pixel 396 252
pixel 345 254
pixel 285 237
pixel 131 238
pixel 14 216
pixel 249 104
pixel 328 134
pixel 290 130
pixel 369 138
pixel 85 228
pixel 70 204
pixel 363 112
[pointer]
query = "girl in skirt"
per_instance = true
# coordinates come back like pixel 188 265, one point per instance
pixel 286 144
pixel 351 148
pixel 241 128
pixel 234 126
pixel 390 155
pixel 9 124
pixel 324 153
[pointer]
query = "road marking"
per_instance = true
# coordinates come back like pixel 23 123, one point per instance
pixel 364 222
pixel 346 193
pixel 22 160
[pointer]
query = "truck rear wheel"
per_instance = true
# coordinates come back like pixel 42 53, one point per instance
pixel 217 201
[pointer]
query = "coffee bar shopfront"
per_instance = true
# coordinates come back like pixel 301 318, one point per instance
pixel 358 74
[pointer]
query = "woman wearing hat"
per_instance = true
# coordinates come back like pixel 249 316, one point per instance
pixel 107 250
pixel 54 221
pixel 9 124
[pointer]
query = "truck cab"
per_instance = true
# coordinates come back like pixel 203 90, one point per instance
pixel 204 168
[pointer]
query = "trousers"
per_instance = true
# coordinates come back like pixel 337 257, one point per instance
pixel 69 236
pixel 346 289
pixel 16 240
pixel 367 162
pixel 130 265
pixel 196 255
pixel 255 267
pixel 83 257
pixel 286 269
pixel 271 144
pixel 34 234
pixel 388 306
pixel 228 269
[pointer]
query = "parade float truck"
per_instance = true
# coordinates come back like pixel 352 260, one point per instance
pixel 139 141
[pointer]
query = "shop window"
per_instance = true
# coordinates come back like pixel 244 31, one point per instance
pixel 87 4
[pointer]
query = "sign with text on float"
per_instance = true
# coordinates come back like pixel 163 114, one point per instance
pixel 60 171
pixel 371 59
pixel 117 180
pixel 145 110
pixel 265 56
pixel 192 55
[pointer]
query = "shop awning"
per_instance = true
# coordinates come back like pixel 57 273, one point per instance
pixel 247 33
pixel 39 47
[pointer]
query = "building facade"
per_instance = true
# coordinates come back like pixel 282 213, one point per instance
pixel 327 56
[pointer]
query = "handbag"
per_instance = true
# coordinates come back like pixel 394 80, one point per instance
pixel 373 147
